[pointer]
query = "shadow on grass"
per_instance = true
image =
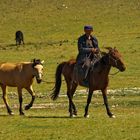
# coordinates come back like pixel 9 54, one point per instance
pixel 6 115
pixel 42 117
pixel 35 44
pixel 55 117
pixel 3 115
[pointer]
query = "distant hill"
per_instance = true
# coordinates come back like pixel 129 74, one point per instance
pixel 57 22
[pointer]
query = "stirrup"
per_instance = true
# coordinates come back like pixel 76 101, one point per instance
pixel 85 83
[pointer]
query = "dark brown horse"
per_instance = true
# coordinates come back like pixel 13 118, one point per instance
pixel 98 79
pixel 19 38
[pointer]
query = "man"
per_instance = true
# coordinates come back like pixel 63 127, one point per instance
pixel 87 47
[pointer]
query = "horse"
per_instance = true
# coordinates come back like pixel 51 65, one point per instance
pixel 19 38
pixel 98 79
pixel 20 75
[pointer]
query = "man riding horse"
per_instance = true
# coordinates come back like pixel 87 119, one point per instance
pixel 74 72
pixel 88 53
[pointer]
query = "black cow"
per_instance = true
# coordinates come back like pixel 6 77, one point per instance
pixel 19 38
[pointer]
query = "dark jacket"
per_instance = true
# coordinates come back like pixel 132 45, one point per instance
pixel 85 49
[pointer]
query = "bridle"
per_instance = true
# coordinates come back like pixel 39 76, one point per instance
pixel 115 60
pixel 116 64
pixel 34 68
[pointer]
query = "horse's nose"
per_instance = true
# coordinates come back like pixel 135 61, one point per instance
pixel 39 81
pixel 123 68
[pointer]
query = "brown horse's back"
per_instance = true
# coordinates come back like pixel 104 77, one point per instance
pixel 65 68
pixel 98 80
pixel 68 69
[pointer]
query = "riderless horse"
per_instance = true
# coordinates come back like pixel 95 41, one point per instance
pixel 20 75
pixel 19 38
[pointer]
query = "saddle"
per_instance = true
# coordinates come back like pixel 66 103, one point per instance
pixel 81 71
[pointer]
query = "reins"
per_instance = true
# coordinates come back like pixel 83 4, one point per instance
pixel 116 65
pixel 44 81
pixel 114 73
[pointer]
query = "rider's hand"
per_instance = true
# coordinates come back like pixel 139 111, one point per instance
pixel 97 51
pixel 94 50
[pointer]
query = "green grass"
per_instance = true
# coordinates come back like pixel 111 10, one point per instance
pixel 46 23
pixel 53 122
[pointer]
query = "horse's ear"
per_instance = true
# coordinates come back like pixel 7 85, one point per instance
pixel 32 60
pixel 115 48
pixel 108 48
pixel 103 53
pixel 42 61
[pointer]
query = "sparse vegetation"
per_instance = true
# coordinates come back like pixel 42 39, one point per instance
pixel 51 29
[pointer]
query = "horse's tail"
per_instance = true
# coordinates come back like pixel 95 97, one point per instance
pixel 58 81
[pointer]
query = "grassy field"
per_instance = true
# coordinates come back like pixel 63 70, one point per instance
pixel 52 121
pixel 48 23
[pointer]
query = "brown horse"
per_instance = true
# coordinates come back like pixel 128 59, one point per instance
pixel 98 79
pixel 20 75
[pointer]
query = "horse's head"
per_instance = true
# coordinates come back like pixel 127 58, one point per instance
pixel 38 69
pixel 115 59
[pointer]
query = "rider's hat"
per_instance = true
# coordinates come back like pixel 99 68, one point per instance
pixel 88 27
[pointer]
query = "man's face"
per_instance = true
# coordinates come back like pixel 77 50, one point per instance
pixel 88 32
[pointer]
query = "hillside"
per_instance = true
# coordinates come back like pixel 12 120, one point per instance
pixel 45 23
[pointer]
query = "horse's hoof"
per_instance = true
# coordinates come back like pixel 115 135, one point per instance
pixel 72 116
pixel 113 116
pixel 75 113
pixel 27 107
pixel 21 113
pixel 11 113
pixel 86 116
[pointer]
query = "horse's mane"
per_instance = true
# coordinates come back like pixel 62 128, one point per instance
pixel 101 62
pixel 72 61
pixel 36 62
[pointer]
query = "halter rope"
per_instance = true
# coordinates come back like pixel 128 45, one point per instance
pixel 115 64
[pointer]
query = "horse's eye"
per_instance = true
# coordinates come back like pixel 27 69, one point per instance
pixel 114 54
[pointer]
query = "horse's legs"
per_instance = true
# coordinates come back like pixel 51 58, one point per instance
pixel 20 100
pixel 23 41
pixel 104 93
pixel 19 41
pixel 72 91
pixel 88 102
pixel 30 90
pixel 70 104
pixel 5 99
pixel 70 96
